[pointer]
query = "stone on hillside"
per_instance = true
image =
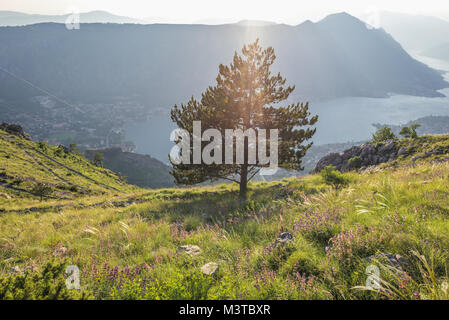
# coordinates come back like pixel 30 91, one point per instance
pixel 5 195
pixel 60 251
pixel 16 270
pixel 191 250
pixel 394 260
pixel 30 269
pixel 283 239
pixel 402 151
pixel 210 268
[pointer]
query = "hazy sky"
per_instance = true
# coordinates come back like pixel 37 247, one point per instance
pixel 188 11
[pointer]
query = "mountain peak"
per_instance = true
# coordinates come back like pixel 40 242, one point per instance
pixel 341 18
pixel 255 23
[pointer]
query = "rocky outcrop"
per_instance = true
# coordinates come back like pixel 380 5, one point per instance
pixel 14 129
pixel 362 156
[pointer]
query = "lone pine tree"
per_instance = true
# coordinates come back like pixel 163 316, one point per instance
pixel 246 96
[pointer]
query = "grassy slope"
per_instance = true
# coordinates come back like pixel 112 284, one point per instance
pixel 400 209
pixel 24 163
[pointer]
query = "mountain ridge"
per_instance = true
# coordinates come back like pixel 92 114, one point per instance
pixel 324 60
pixel 15 18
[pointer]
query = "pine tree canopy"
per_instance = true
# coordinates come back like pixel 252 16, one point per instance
pixel 246 96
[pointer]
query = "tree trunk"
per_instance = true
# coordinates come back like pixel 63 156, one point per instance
pixel 244 173
pixel 244 169
pixel 244 183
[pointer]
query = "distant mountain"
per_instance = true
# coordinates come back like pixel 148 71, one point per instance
pixel 414 32
pixel 255 23
pixel 161 65
pixel 428 125
pixel 12 18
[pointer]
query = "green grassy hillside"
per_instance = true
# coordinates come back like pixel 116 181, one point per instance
pixel 395 217
pixel 24 164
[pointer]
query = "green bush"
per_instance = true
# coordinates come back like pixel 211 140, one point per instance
pixel 333 177
pixel 301 262
pixel 410 132
pixel 382 135
pixel 41 190
pixel 43 146
pixel 178 284
pixel 17 181
pixel 49 284
pixel 355 162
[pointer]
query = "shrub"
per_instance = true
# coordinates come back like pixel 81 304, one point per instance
pixel 191 222
pixel 333 177
pixel 49 284
pixel 186 284
pixel 73 148
pixel 98 159
pixel 43 146
pixel 405 132
pixel 355 162
pixel 318 226
pixel 410 132
pixel 17 181
pixel 276 256
pixel 303 263
pixel 383 134
pixel 350 245
pixel 41 190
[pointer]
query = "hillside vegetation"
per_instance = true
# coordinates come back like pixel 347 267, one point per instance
pixel 27 166
pixel 295 239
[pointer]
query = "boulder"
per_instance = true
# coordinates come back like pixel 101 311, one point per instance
pixel 394 260
pixel 5 195
pixel 60 251
pixel 210 268
pixel 189 249
pixel 16 270
pixel 283 239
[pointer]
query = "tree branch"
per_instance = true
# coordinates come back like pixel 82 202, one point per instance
pixel 252 176
pixel 225 178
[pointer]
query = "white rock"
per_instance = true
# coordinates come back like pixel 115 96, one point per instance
pixel 210 268
pixel 191 250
